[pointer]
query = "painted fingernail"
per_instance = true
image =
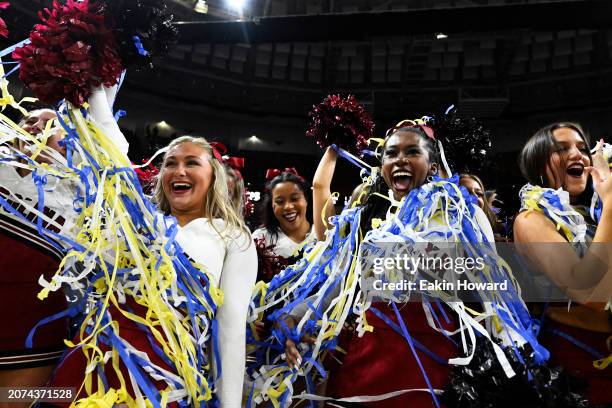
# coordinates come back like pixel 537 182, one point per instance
pixel 299 361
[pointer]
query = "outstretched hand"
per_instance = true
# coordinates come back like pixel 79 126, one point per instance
pixel 294 359
pixel 599 161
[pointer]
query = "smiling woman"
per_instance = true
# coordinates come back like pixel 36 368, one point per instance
pixel 378 367
pixel 557 163
pixel 192 188
pixel 407 160
pixel 285 227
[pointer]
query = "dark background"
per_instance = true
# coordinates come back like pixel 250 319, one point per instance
pixel 516 65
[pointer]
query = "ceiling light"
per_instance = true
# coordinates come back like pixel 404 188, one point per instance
pixel 201 7
pixel 236 4
pixel 441 36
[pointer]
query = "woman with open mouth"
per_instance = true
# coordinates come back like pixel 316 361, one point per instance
pixel 285 227
pixel 558 210
pixel 380 362
pixel 192 188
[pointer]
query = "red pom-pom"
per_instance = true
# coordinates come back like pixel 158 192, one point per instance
pixel 71 51
pixel 3 29
pixel 341 121
pixel 269 264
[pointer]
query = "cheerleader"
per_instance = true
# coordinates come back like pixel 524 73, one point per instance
pixel 284 224
pixel 382 358
pixel 475 186
pixel 192 187
pixel 235 182
pixel 557 208
pixel 26 257
pixel 165 295
pixel 235 187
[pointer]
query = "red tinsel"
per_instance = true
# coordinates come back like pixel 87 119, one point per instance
pixel 71 51
pixel 269 264
pixel 3 29
pixel 341 121
pixel 249 206
pixel 147 177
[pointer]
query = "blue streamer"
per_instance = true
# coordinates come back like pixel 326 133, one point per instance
pixel 139 46
pixel 410 341
pixel 12 48
pixel 149 389
pixel 343 153
pixel 596 354
pixel 399 331
pixel 11 71
pixel 120 114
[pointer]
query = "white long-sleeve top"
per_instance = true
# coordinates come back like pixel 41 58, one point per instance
pixel 232 263
pixel 22 193
pixel 282 245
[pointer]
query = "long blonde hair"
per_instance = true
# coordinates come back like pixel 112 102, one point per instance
pixel 488 207
pixel 237 195
pixel 217 203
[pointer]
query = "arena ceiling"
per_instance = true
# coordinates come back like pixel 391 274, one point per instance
pixel 499 58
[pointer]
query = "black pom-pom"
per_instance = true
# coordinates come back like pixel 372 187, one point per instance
pixel 340 121
pixel 143 30
pixel 466 141
pixel 483 383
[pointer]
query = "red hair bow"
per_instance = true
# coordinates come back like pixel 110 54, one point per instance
pixel 218 150
pixel 220 153
pixel 236 163
pixel 271 173
pixel 418 123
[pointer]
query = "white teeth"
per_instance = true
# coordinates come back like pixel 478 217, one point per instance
pixel 181 186
pixel 402 174
pixel 290 216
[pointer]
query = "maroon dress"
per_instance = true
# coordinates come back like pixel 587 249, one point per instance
pixel 25 257
pixel 71 370
pixel 381 361
pixel 566 345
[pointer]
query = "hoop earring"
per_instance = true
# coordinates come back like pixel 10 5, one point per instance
pixel 429 179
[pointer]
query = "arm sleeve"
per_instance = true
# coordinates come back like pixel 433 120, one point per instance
pixel 100 108
pixel 299 311
pixel 237 282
